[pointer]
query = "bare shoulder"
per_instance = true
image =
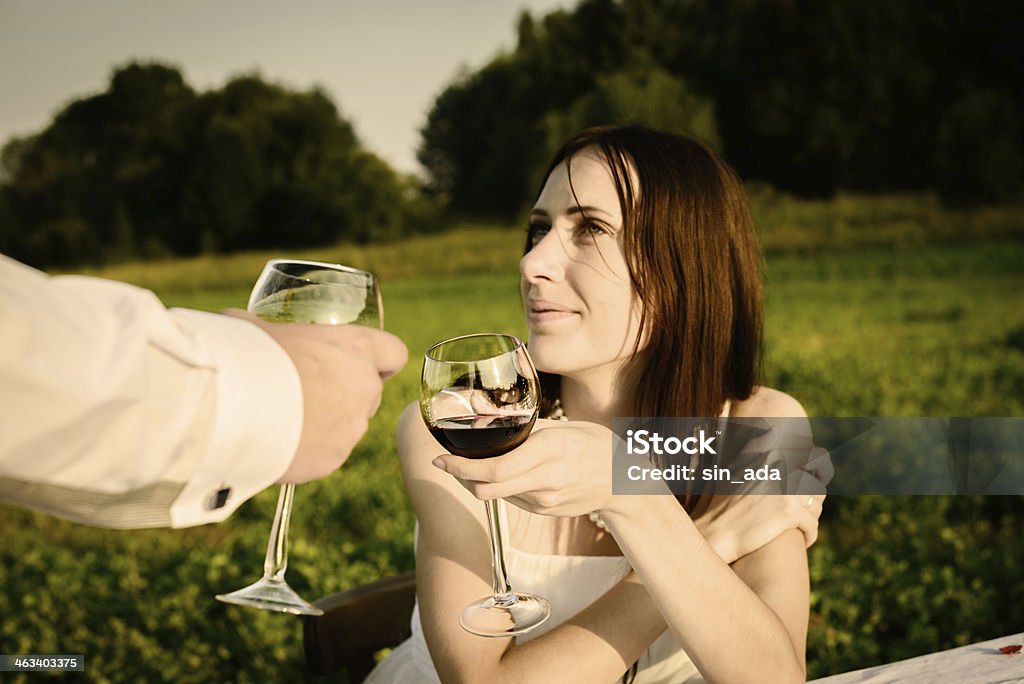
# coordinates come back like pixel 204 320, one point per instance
pixel 426 484
pixel 410 429
pixel 416 447
pixel 766 402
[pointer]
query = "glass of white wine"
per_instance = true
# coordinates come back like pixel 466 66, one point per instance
pixel 295 291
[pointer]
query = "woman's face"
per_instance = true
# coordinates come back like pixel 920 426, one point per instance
pixel 580 307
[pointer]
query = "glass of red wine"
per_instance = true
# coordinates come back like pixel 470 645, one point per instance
pixel 479 397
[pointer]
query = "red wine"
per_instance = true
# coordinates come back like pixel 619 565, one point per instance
pixel 494 436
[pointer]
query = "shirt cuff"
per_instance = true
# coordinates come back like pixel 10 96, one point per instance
pixel 258 421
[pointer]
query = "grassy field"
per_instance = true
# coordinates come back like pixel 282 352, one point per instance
pixel 890 307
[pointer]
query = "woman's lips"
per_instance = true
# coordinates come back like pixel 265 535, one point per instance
pixel 543 311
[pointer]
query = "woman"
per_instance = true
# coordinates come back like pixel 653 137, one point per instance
pixel 642 294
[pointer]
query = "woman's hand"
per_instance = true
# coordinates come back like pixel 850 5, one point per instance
pixel 563 469
pixel 741 524
pixel 735 526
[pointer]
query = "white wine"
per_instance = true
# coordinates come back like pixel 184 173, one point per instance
pixel 301 306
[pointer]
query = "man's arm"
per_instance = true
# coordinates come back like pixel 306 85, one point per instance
pixel 120 413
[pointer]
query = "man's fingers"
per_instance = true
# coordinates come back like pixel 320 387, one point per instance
pixel 480 404
pixel 387 353
pixel 390 352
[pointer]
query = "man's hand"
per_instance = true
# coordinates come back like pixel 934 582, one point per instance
pixel 342 369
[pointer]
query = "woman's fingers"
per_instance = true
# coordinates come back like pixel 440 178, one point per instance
pixel 483 470
pixel 510 491
pixel 558 470
pixel 536 487
pixel 505 489
pixel 515 463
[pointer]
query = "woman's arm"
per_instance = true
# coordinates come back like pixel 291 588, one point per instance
pixel 738 624
pixel 453 569
pixel 735 526
pixel 742 624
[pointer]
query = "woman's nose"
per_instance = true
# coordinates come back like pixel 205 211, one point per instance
pixel 545 261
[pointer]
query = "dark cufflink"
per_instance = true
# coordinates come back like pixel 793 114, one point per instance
pixel 218 499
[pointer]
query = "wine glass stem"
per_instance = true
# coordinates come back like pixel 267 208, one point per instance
pixel 277 548
pixel 500 586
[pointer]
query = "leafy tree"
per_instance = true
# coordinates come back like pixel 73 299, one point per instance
pixel 473 143
pixel 485 136
pixel 980 149
pixel 150 167
pixel 8 224
pixel 649 96
pixel 811 97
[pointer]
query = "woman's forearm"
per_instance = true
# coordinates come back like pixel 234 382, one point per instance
pixel 597 645
pixel 731 634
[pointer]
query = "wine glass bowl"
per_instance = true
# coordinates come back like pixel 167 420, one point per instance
pixel 298 291
pixel 479 398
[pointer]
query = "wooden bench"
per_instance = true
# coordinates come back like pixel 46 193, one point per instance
pixel 356 624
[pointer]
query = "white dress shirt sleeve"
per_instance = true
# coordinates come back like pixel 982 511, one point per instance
pixel 117 412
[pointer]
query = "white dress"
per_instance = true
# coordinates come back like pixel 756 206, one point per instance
pixel 570 583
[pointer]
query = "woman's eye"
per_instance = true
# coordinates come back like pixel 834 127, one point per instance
pixel 591 229
pixel 537 231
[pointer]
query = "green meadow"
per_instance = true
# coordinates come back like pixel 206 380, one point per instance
pixel 889 306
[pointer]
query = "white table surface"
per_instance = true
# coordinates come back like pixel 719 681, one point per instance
pixel 979 663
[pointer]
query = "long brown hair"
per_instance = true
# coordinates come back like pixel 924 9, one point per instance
pixel 694 263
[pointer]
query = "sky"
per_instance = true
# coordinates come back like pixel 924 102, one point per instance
pixel 382 61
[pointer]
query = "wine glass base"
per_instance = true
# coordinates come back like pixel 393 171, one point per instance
pixel 515 614
pixel 271 594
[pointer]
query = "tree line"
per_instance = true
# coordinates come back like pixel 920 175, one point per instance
pixel 811 97
pixel 150 167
